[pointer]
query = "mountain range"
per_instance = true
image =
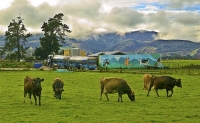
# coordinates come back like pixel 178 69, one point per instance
pixel 130 42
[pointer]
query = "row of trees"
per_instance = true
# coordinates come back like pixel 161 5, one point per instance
pixel 16 38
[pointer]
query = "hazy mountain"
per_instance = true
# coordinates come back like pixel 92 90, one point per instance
pixel 132 42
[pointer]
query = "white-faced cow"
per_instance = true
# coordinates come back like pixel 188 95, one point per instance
pixel 146 81
pixel 58 87
pixel 116 85
pixel 33 86
pixel 164 82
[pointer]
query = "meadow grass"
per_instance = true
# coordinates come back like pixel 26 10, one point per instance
pixel 180 63
pixel 80 101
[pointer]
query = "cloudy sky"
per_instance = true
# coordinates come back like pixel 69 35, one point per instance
pixel 173 19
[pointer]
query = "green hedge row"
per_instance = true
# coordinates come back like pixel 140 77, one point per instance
pixel 14 64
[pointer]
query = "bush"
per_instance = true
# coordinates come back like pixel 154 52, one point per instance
pixel 14 64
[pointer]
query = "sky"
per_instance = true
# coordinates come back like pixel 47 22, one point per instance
pixel 172 19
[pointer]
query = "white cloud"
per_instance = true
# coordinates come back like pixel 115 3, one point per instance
pixel 182 3
pixel 5 4
pixel 86 17
pixel 39 2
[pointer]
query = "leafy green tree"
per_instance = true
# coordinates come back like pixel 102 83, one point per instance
pixel 15 40
pixel 54 36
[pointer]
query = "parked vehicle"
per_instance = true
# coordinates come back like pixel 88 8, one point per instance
pixel 83 62
pixel 73 62
pixel 61 61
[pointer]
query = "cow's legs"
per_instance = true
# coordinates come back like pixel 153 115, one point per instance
pixel 39 100
pixel 149 88
pixel 119 97
pixel 149 91
pixel 35 99
pixel 25 96
pixel 144 88
pixel 167 91
pixel 107 96
pixel 30 98
pixel 171 93
pixel 146 85
pixel 102 88
pixel 60 95
pixel 100 95
pixel 156 90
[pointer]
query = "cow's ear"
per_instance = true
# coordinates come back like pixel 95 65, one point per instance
pixel 42 80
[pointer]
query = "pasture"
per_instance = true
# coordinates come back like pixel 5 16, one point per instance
pixel 80 101
pixel 180 63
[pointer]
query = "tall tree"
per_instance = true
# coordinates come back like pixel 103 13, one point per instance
pixel 54 36
pixel 15 40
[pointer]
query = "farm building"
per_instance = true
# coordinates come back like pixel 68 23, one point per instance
pixel 130 61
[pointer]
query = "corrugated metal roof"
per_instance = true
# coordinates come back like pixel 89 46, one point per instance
pixel 106 53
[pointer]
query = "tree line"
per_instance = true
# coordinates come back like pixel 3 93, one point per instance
pixel 54 33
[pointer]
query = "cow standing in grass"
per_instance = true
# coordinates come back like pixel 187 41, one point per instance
pixel 116 85
pixel 58 87
pixel 164 82
pixel 146 81
pixel 32 86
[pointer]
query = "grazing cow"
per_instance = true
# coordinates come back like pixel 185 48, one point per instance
pixel 58 87
pixel 116 85
pixel 33 86
pixel 164 82
pixel 146 80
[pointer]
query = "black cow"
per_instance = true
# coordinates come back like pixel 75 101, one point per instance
pixel 58 87
pixel 33 86
pixel 164 82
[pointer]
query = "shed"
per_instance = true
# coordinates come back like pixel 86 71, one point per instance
pixel 130 61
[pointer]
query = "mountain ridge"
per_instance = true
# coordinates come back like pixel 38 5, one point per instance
pixel 130 42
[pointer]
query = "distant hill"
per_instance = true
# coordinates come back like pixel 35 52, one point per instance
pixel 131 42
pixel 33 41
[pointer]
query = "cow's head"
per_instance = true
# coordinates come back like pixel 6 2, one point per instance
pixel 131 96
pixel 58 92
pixel 37 82
pixel 178 83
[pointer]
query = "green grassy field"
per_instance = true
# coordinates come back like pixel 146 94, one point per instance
pixel 180 63
pixel 80 101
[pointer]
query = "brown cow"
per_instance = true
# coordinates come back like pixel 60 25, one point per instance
pixel 146 80
pixel 33 86
pixel 116 85
pixel 164 82
pixel 58 87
